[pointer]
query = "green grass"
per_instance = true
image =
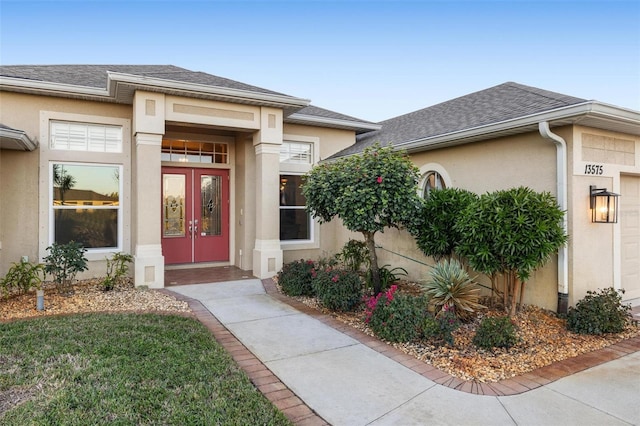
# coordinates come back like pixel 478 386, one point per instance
pixel 124 369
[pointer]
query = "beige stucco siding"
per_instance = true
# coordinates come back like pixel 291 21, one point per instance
pixel 18 207
pixel 596 250
pixel 527 160
pixel 23 216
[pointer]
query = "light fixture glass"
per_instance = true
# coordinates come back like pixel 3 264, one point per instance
pixel 604 205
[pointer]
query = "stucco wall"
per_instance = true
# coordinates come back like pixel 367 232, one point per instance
pixel 527 160
pixel 18 207
pixel 595 249
pixel 20 173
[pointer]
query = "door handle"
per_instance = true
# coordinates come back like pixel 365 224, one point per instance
pixel 190 229
pixel 195 230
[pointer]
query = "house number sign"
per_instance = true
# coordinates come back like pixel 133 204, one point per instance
pixel 594 169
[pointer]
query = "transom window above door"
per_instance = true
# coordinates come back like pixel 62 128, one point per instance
pixel 184 151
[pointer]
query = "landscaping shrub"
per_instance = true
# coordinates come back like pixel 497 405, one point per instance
pixel 448 321
pixel 430 327
pixel 22 277
pixel 395 317
pixel 338 289
pixel 295 278
pixel 117 269
pixel 495 332
pixel 387 276
pixel 450 286
pixel 354 255
pixel 599 313
pixel 64 262
pixel 434 228
pixel 440 327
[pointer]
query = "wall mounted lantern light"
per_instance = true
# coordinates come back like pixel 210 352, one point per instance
pixel 604 205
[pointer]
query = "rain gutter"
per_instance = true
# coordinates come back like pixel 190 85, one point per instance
pixel 561 194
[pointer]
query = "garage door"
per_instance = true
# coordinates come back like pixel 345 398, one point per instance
pixel 630 235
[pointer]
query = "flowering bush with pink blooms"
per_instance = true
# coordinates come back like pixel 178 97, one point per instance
pixel 337 289
pixel 395 317
pixel 295 278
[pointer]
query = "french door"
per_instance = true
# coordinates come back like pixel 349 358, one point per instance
pixel 195 215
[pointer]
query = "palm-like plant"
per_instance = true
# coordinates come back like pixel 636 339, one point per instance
pixel 451 288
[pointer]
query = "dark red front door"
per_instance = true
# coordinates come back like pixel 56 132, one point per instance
pixel 195 215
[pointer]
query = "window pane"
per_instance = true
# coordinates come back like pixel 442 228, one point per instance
pixel 294 224
pixel 294 220
pixel 173 199
pixel 211 214
pixel 85 185
pixel 95 192
pixel 298 153
pixel 92 228
pixel 291 191
pixel 433 181
pixel 86 137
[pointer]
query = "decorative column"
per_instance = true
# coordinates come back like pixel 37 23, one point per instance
pixel 267 254
pixel 148 129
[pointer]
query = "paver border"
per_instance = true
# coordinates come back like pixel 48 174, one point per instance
pixel 293 407
pixel 296 410
pixel 512 386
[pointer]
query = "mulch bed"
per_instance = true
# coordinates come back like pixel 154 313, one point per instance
pixel 88 296
pixel 544 340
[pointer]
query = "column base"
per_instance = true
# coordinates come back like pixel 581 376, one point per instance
pixel 149 266
pixel 267 258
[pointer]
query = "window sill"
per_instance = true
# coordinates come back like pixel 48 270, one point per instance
pixel 299 245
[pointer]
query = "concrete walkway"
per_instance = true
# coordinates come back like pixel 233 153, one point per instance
pixel 301 360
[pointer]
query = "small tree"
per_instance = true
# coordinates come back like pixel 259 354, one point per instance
pixel 434 229
pixel 511 233
pixel 64 262
pixel 369 192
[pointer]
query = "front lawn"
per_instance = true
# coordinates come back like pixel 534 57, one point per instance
pixel 123 369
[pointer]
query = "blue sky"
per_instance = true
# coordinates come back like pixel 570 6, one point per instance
pixel 371 59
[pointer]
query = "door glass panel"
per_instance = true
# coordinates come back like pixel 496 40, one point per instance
pixel 211 210
pixel 173 205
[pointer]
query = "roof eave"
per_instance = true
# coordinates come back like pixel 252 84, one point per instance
pixel 573 114
pixel 357 126
pixel 115 80
pixel 222 93
pixel 16 140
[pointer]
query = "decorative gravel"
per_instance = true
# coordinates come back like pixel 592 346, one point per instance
pixel 544 340
pixel 89 297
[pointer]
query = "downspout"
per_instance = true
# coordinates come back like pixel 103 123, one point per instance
pixel 561 179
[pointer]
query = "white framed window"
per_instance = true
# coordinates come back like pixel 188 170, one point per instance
pixel 296 153
pixel 298 230
pixel 86 204
pixel 185 151
pixel 433 180
pixel 71 136
pixel 433 177
pixel 295 222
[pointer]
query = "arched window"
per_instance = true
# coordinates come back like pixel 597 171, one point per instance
pixel 432 180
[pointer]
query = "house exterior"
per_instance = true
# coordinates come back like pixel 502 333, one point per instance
pixel 186 169
pixel 178 168
pixel 514 135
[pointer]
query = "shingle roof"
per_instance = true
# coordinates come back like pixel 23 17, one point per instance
pixel 96 75
pixel 496 104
